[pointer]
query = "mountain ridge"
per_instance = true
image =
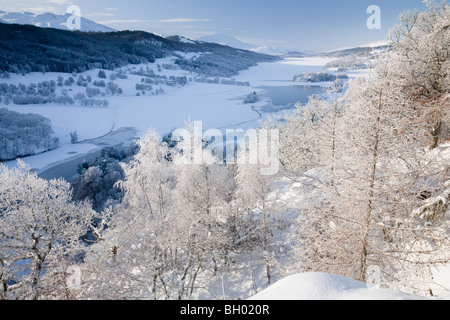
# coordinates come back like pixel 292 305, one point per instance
pixel 226 40
pixel 50 20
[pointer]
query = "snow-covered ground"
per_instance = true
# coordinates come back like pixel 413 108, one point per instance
pixel 322 286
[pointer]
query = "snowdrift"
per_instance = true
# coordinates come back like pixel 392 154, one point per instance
pixel 322 286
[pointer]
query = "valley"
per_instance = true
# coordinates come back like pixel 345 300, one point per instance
pixel 128 116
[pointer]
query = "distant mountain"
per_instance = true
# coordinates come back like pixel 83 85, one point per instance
pixel 227 40
pixel 355 58
pixel 360 51
pixel 282 51
pixel 50 20
pixel 230 41
pixel 275 50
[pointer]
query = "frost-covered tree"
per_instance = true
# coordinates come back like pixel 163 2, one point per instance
pixel 113 88
pixel 369 208
pixel 254 189
pixel 133 248
pixel 102 74
pixel 40 233
pixel 96 179
pixel 202 192
pixel 164 235
pixel 24 134
pixel 309 135
pixel 73 137
pixel 251 98
pixel 422 43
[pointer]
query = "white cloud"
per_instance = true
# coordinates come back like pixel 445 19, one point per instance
pixel 99 14
pixel 122 21
pixel 59 1
pixel 183 20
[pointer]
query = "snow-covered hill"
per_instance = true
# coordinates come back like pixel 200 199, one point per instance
pixel 359 51
pixel 322 286
pixel 50 20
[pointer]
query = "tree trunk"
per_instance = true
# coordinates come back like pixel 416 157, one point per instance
pixel 370 194
pixel 333 144
pixel 266 241
pixel 435 135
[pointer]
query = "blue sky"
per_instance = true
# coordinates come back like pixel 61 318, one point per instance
pixel 298 24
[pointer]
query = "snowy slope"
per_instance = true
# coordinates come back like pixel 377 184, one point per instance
pixel 50 20
pixel 321 286
pixel 363 50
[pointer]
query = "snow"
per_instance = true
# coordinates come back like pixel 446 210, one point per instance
pixel 322 286
pixel 441 285
pixel 42 162
pixel 88 122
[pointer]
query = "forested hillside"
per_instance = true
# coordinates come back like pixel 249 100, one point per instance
pixel 26 48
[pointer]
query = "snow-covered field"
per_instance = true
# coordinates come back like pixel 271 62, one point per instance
pixel 218 106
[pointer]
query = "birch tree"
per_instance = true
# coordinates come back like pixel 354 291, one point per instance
pixel 131 255
pixel 255 189
pixel 40 233
pixel 422 43
pixel 167 231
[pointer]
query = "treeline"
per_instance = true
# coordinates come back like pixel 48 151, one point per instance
pixel 46 92
pixel 350 63
pixel 318 77
pixel 24 135
pixel 25 48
